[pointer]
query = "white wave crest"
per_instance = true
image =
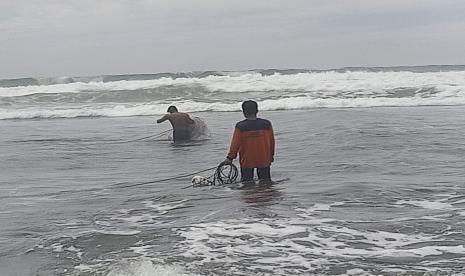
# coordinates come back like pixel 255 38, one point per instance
pixel 291 103
pixel 329 82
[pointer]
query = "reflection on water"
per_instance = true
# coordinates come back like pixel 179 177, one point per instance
pixel 190 143
pixel 260 193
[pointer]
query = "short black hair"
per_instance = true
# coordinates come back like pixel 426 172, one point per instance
pixel 249 107
pixel 172 109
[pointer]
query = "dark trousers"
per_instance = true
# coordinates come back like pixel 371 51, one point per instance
pixel 248 173
pixel 181 135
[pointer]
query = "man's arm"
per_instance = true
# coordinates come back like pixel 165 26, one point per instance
pixel 234 147
pixel 162 119
pixel 272 143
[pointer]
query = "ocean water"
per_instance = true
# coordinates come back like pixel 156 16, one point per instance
pixel 369 172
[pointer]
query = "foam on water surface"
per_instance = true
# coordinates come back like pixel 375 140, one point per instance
pixel 308 243
pixel 147 268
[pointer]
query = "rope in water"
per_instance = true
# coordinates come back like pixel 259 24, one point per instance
pixel 166 179
pixel 224 174
pixel 143 138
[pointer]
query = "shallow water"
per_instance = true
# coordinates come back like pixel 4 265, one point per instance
pixel 367 191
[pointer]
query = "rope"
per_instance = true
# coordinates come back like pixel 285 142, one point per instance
pixel 143 138
pixel 224 174
pixel 166 179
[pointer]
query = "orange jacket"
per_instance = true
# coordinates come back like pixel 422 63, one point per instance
pixel 254 140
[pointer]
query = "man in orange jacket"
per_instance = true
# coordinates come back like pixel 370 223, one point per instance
pixel 253 139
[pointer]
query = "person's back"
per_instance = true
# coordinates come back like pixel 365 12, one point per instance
pixel 254 142
pixel 181 122
pixel 253 139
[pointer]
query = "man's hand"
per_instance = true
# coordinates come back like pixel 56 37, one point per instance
pixel 226 161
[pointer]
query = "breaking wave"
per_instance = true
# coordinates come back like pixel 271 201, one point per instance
pixel 141 95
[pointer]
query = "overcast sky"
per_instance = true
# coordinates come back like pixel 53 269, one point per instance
pixel 94 37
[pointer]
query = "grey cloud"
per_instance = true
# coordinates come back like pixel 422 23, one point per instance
pixel 53 37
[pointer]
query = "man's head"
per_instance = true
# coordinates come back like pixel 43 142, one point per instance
pixel 249 108
pixel 172 109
